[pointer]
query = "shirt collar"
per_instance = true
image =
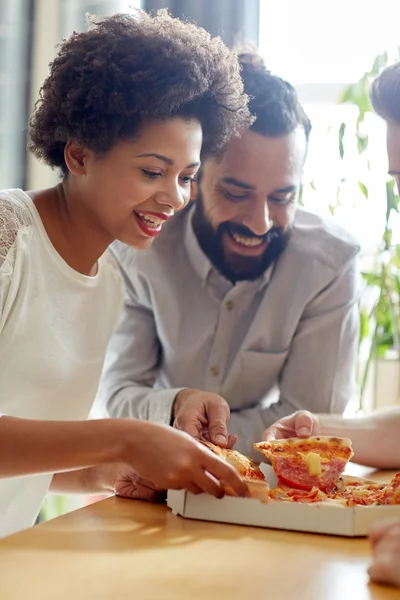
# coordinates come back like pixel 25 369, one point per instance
pixel 203 266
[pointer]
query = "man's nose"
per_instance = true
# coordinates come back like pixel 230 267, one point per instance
pixel 257 218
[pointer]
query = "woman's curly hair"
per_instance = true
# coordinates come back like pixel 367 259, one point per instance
pixel 132 67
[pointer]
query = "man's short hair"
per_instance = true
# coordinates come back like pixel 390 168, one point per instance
pixel 385 94
pixel 273 101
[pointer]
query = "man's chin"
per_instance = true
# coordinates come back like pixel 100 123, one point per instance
pixel 239 268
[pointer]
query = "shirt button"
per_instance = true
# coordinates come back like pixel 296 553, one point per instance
pixel 229 305
pixel 214 371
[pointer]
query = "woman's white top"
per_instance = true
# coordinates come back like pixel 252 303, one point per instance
pixel 55 324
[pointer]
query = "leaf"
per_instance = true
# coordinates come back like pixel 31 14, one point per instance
pixel 392 199
pixel 300 195
pixel 342 131
pixel 332 209
pixel 364 324
pixel 372 279
pixel 363 188
pixel 362 142
pixel 379 62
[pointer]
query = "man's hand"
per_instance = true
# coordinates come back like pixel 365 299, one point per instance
pixel 301 424
pixel 385 539
pixel 204 416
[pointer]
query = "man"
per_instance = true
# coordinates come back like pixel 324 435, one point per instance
pixel 375 437
pixel 240 294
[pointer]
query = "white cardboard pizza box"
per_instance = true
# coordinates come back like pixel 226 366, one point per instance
pixel 319 517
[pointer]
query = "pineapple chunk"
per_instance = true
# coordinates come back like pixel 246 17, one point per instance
pixel 313 462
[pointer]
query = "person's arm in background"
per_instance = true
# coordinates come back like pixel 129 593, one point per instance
pixel 375 437
pixel 131 366
pixel 385 541
pixel 320 368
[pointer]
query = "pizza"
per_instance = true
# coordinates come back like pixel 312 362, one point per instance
pixel 244 465
pixel 305 464
pixel 308 471
pixel 249 471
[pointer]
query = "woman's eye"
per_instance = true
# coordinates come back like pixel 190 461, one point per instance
pixel 187 179
pixel 151 174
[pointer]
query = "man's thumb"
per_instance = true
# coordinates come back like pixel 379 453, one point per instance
pixel 217 420
pixel 304 424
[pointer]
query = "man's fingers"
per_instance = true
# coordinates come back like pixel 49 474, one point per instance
pixel 232 439
pixel 304 423
pixel 189 426
pixel 270 434
pixel 278 431
pixel 217 416
pixel 299 424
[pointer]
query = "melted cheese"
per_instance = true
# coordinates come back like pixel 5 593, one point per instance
pixel 313 462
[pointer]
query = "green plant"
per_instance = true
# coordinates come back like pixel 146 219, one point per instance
pixel 380 324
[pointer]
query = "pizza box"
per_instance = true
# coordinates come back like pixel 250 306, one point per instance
pixel 320 517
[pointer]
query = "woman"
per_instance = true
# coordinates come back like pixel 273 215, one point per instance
pixel 124 113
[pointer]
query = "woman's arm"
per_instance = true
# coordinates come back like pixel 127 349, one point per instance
pixel 167 458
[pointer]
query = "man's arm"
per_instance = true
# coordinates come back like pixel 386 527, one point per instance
pixel 319 371
pixel 132 362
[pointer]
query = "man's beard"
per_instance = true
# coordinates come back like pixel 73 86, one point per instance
pixel 235 266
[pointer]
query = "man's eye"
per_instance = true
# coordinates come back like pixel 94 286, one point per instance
pixel 151 174
pixel 282 201
pixel 234 197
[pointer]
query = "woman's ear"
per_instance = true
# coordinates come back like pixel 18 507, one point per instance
pixel 74 156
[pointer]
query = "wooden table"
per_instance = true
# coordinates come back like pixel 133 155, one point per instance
pixel 120 549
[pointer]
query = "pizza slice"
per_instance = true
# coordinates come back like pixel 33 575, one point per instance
pixel 358 490
pixel 248 470
pixel 244 465
pixel 391 493
pixel 307 463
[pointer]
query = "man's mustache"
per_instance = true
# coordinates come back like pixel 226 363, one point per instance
pixel 242 230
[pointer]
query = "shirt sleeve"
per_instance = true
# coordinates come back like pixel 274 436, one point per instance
pixel 12 219
pixel 131 366
pixel 319 373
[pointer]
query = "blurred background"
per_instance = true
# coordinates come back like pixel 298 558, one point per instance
pixel 330 52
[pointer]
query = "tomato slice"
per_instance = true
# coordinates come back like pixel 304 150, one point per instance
pixel 299 485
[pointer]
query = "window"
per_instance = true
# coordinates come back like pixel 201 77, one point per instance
pixel 320 48
pixel 15 31
pixel 73 11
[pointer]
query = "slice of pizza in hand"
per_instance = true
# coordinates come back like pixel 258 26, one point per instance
pixel 248 470
pixel 306 463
